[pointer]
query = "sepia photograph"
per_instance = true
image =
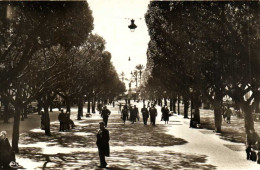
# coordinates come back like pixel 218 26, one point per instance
pixel 130 84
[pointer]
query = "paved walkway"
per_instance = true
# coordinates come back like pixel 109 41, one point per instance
pixel 133 146
pixel 33 121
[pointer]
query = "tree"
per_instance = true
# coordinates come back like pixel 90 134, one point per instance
pixel 218 38
pixel 21 39
pixel 22 33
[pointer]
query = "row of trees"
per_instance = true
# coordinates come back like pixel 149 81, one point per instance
pixel 205 51
pixel 47 49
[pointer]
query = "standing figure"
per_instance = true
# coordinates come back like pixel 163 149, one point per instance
pixel 105 114
pixel 162 110
pixel 124 113
pixel 103 144
pixel 132 115
pixel 248 152
pixel 61 118
pixel 67 121
pixel 145 114
pixel 136 113
pixel 153 114
pixel 165 114
pixel 228 114
pixel 7 155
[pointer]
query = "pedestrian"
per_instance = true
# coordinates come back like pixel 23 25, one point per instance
pixel 67 121
pixel 103 144
pixel 7 155
pixel 145 114
pixel 105 114
pixel 165 114
pixel 124 113
pixel 61 118
pixel 224 109
pixel 248 152
pixel 162 111
pixel 228 114
pixel 153 114
pixel 136 113
pixel 132 115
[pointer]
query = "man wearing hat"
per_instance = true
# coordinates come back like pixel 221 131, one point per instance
pixel 105 114
pixel 153 114
pixel 145 114
pixel 103 144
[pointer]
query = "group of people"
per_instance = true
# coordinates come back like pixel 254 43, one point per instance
pixel 103 134
pixel 65 122
pixel 134 114
pixel 146 113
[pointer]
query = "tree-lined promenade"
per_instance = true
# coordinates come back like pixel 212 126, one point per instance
pixel 199 52
pixel 48 51
pixel 205 51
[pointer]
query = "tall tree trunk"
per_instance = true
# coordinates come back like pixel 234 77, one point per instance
pixel 80 107
pixel 179 101
pixel 68 103
pixel 6 110
pixel 249 124
pixel 217 112
pixel 186 107
pixel 174 100
pixel 39 105
pixel 257 110
pixel 47 119
pixel 88 105
pixel 51 106
pixel 16 125
pixel 249 121
pixel 94 105
pixel 171 104
pixel 196 105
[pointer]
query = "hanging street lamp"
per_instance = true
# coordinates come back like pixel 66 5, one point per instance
pixel 132 26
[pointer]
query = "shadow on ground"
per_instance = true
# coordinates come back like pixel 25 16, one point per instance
pixel 127 159
pixel 121 135
pixel 233 132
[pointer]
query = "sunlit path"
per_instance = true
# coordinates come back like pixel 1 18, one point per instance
pixel 133 146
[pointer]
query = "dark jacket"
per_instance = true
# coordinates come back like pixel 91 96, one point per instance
pixel 153 112
pixel 6 153
pixel 103 141
pixel 105 113
pixel 62 117
pixel 165 114
pixel 145 112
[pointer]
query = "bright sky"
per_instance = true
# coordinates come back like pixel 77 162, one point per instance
pixel 111 20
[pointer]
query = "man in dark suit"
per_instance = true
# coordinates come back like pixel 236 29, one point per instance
pixel 105 114
pixel 145 114
pixel 103 144
pixel 153 114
